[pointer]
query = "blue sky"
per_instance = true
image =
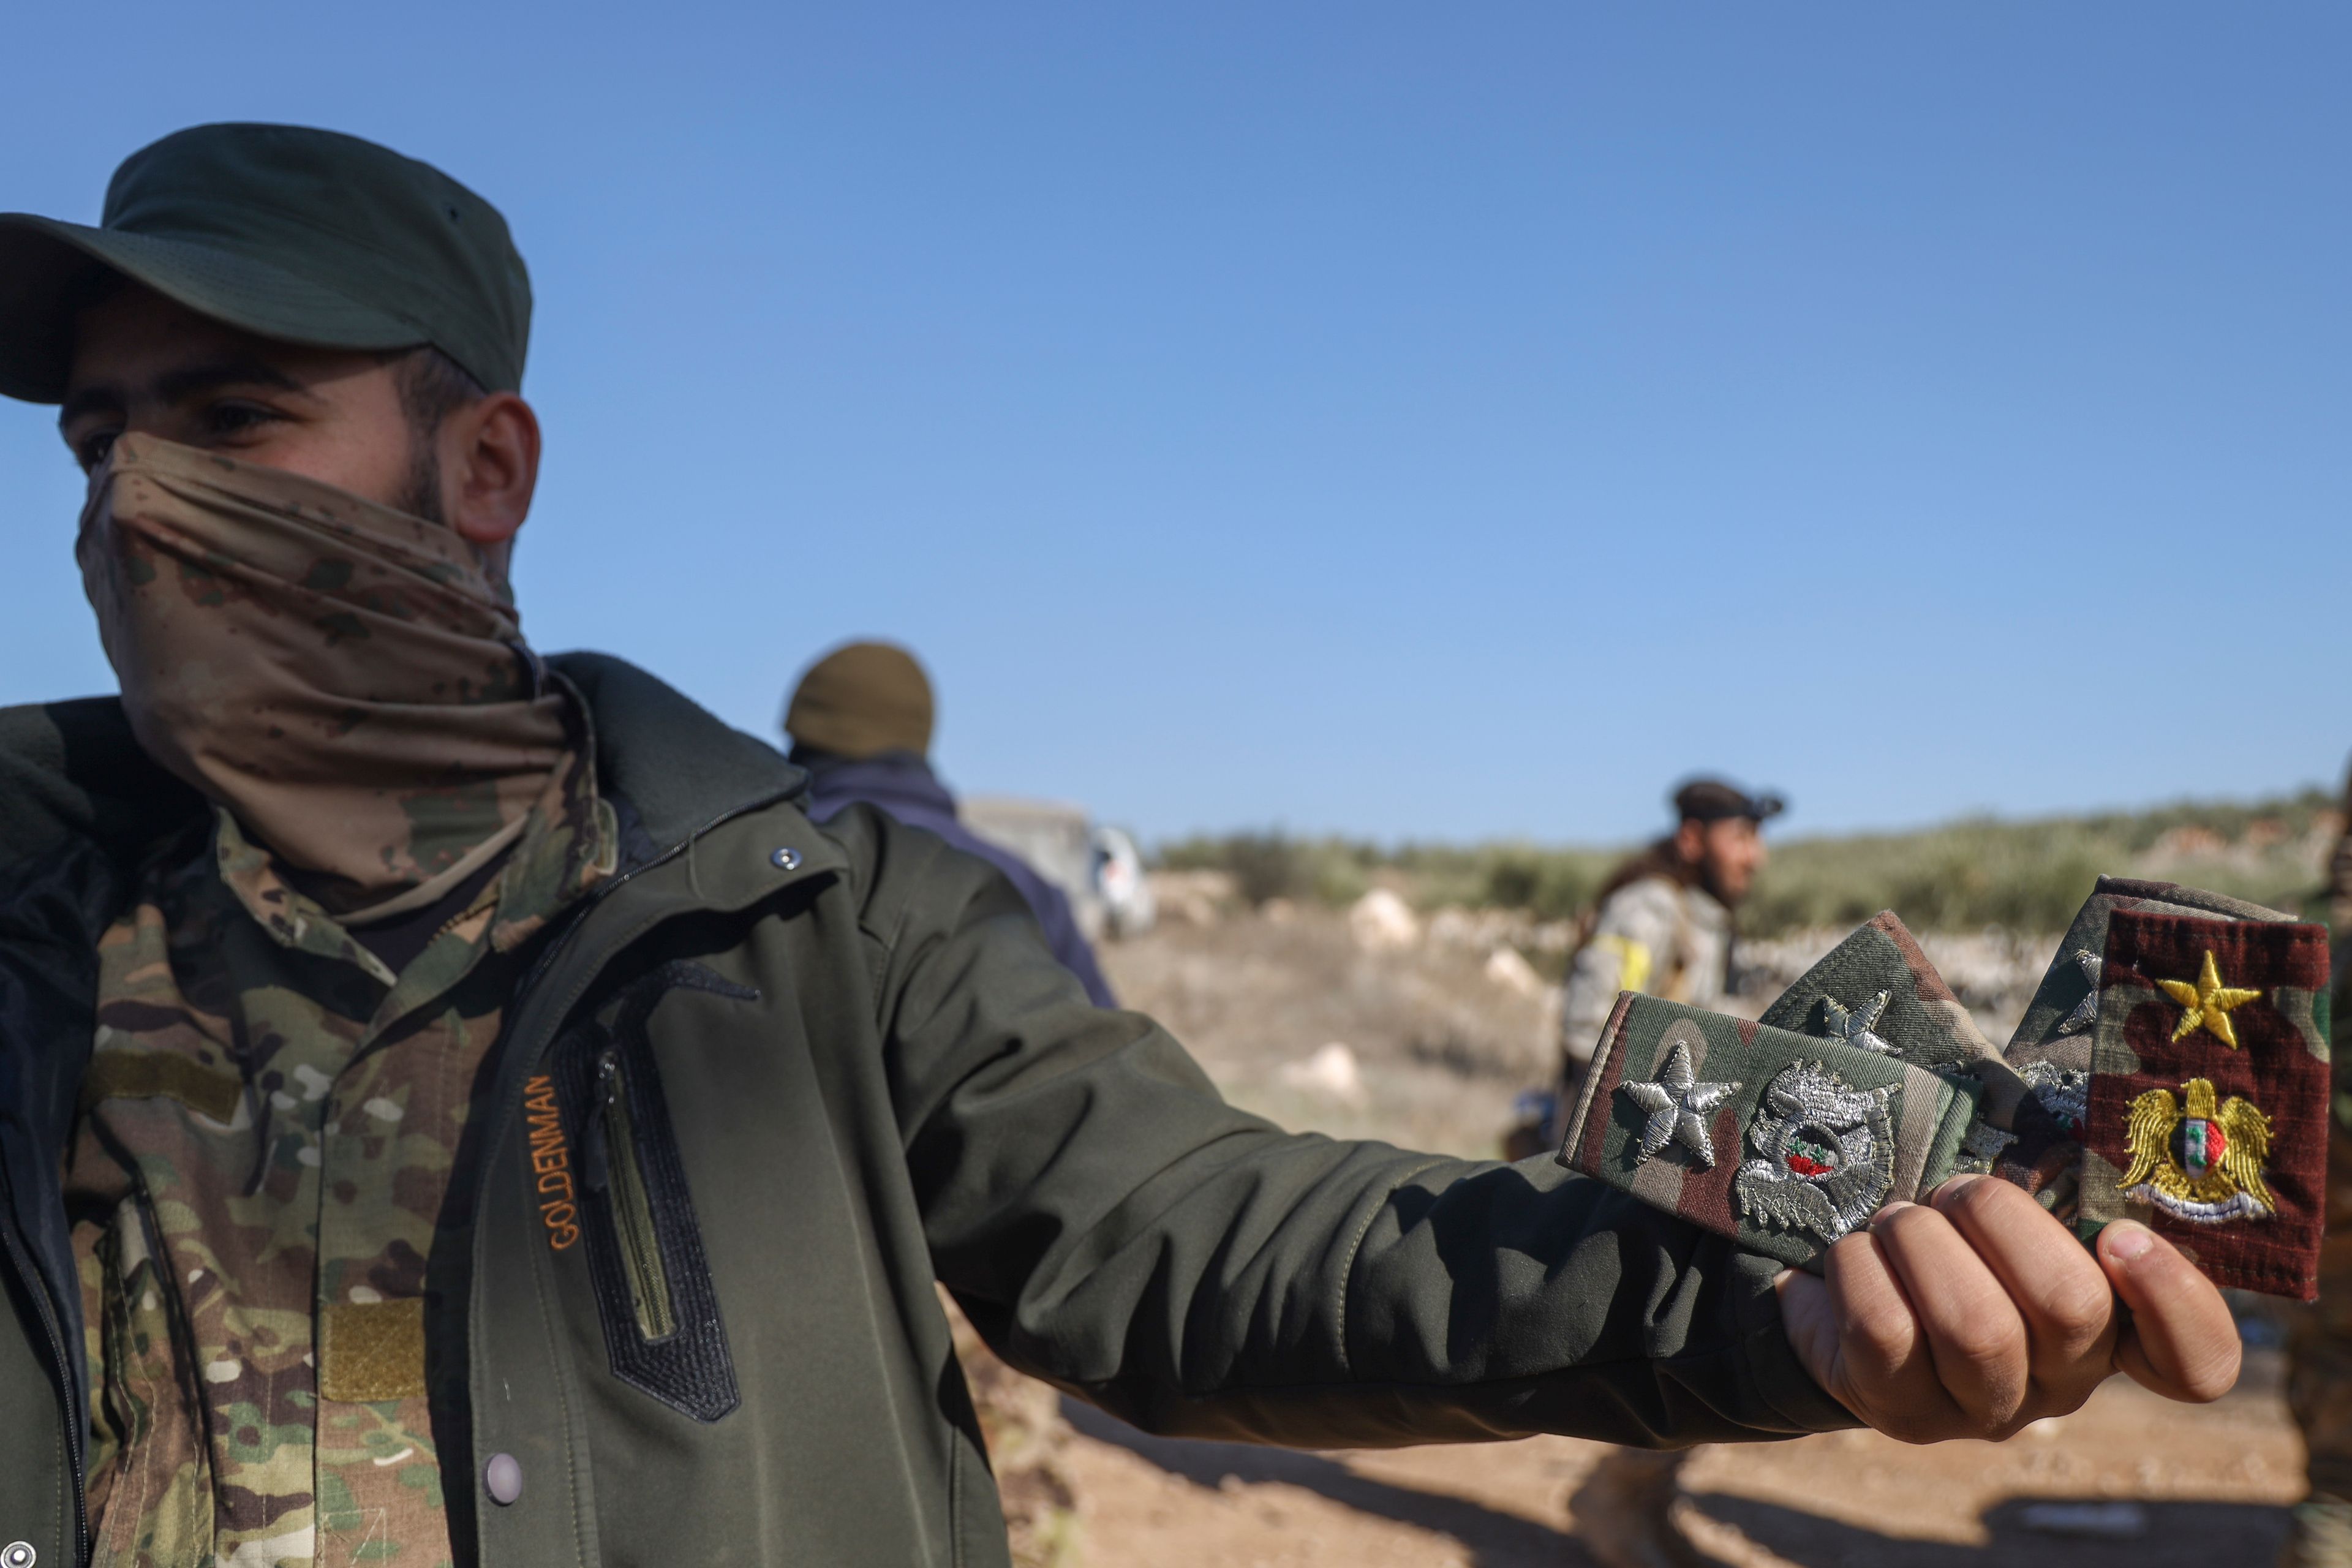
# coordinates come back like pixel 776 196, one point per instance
pixel 1379 419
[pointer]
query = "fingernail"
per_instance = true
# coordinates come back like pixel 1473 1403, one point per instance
pixel 1890 1211
pixel 1952 1189
pixel 2129 1241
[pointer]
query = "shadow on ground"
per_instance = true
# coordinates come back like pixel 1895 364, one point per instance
pixel 2186 1532
pixel 2191 1533
pixel 1497 1540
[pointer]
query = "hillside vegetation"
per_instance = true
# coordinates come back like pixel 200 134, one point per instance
pixel 2027 876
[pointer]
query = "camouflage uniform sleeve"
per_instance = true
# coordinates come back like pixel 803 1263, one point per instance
pixel 1632 945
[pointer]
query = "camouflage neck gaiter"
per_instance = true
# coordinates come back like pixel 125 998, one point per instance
pixel 347 680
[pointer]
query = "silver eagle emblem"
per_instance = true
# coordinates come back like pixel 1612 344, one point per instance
pixel 1828 1153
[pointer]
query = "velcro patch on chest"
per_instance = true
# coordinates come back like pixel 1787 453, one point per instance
pixel 118 1074
pixel 372 1351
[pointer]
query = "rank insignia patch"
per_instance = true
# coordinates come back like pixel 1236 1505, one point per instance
pixel 2198 1162
pixel 2206 1115
pixel 1901 1006
pixel 1782 1141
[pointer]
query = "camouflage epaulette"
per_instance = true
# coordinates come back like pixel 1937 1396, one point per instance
pixel 2172 1069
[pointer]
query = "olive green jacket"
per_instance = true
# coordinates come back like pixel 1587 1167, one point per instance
pixel 813 1071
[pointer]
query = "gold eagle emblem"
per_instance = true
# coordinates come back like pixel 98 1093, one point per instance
pixel 2197 1162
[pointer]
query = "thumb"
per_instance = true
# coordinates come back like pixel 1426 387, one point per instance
pixel 2181 1340
pixel 1809 1317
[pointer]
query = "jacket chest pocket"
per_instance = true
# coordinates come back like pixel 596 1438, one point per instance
pixel 663 1333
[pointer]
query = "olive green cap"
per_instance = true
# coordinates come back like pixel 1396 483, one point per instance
pixel 295 235
pixel 1713 800
pixel 861 700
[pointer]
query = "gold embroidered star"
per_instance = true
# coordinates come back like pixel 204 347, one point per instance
pixel 2208 1004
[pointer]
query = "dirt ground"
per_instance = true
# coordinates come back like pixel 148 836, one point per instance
pixel 1438 1035
pixel 2213 1485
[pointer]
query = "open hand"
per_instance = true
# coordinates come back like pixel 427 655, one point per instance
pixel 1975 1313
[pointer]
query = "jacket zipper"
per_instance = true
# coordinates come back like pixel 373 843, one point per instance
pixel 612 1167
pixel 518 1064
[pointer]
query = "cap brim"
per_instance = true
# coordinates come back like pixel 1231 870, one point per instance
pixel 44 263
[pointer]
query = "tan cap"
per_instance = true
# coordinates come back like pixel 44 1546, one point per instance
pixel 861 700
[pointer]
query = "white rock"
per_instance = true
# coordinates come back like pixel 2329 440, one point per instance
pixel 1453 926
pixel 1330 1073
pixel 1507 969
pixel 1195 898
pixel 1383 922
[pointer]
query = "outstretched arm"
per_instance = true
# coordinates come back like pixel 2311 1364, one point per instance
pixel 1109 1223
pixel 1112 1225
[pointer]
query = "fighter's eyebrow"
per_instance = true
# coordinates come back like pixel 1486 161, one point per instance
pixel 179 385
pixel 89 400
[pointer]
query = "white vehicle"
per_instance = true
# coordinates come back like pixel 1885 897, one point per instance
pixel 1100 869
pixel 1125 890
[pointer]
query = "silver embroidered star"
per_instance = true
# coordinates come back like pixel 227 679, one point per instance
pixel 2087 1011
pixel 1859 1026
pixel 1678 1105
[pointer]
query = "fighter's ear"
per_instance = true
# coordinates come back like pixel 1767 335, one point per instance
pixel 489 466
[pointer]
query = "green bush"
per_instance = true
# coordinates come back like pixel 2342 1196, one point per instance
pixel 1273 864
pixel 2025 876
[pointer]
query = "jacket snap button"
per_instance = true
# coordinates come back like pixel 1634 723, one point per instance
pixel 502 1479
pixel 786 859
pixel 18 1554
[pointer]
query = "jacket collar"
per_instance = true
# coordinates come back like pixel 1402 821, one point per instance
pixel 667 756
